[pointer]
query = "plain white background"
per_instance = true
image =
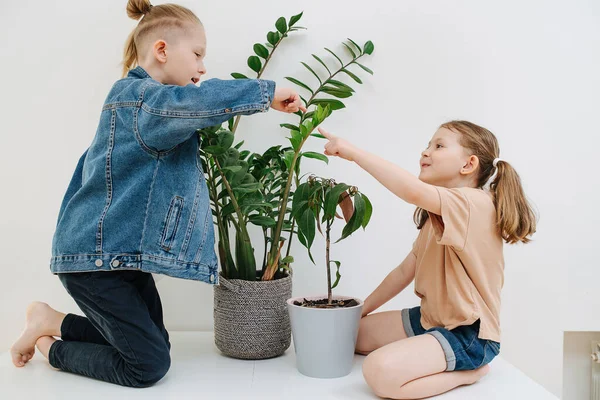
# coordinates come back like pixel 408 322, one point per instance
pixel 526 70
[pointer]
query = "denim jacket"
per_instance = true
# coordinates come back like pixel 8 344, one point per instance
pixel 138 199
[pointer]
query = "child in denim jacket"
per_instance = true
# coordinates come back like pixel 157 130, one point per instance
pixel 138 204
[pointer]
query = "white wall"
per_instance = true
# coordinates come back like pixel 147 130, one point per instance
pixel 527 70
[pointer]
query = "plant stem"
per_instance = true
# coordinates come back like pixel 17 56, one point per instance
pixel 272 261
pixel 219 217
pixel 237 119
pixel 328 244
pixel 236 207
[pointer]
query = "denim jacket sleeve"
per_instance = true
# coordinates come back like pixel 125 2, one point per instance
pixel 171 114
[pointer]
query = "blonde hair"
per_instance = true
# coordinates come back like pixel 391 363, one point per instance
pixel 164 17
pixel 515 218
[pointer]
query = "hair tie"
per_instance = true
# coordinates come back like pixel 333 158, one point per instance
pixel 488 184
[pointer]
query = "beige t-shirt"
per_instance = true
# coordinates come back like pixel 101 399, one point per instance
pixel 460 265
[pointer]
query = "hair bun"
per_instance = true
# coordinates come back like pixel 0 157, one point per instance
pixel 136 9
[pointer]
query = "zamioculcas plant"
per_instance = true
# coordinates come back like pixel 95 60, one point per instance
pixel 249 188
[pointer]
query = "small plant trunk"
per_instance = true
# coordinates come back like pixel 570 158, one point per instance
pixel 328 237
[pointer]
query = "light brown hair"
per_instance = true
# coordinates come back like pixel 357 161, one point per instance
pixel 515 218
pixel 163 18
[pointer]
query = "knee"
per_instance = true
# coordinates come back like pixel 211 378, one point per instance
pixel 375 374
pixel 151 372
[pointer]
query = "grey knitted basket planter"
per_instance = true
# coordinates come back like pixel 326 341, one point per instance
pixel 251 318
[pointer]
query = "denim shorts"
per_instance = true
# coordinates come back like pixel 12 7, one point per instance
pixel 462 348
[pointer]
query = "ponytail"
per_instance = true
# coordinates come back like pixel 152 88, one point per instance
pixel 515 217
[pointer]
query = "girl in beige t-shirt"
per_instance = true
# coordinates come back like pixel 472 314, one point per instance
pixel 469 201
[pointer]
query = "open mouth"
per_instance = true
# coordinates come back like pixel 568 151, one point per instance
pixel 195 80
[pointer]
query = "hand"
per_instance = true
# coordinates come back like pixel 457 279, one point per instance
pixel 287 100
pixel 338 147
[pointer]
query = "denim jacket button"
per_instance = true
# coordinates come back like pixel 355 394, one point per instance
pixel 212 278
pixel 115 263
pixel 98 263
pixel 228 110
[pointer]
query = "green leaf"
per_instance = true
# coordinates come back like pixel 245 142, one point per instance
pixel 332 103
pixel 356 219
pixel 247 187
pixel 307 225
pixel 290 126
pixel 295 18
pixel 351 75
pixel 365 68
pixel 237 75
pixel 261 50
pixel 342 94
pixel 335 55
pixel 318 135
pixel 337 273
pixel 296 139
pixel 225 139
pixel 313 72
pixel 355 44
pixel 233 168
pixel 273 38
pixel 254 63
pixel 281 25
pixel 289 158
pixel 332 199
pixel 287 260
pixel 301 84
pixel 262 220
pixel 339 84
pixel 322 63
pixel 368 211
pixel 350 50
pixel 244 257
pixel 369 47
pixel 316 156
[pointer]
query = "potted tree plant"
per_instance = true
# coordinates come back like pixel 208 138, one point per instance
pixel 250 316
pixel 325 328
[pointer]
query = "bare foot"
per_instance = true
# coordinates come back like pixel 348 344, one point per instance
pixel 43 344
pixel 42 320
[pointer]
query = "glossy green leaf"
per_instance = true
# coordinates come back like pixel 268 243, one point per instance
pixel 273 37
pixel 322 63
pixel 332 199
pixel 357 218
pixel 365 68
pixel 308 67
pixel 316 156
pixel 301 84
pixel 261 50
pixel 237 75
pixel 262 220
pixel 254 63
pixel 337 273
pixel 332 103
pixel 281 25
pixel 295 18
pixel 351 75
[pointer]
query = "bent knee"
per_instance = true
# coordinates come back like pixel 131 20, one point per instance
pixel 377 375
pixel 151 372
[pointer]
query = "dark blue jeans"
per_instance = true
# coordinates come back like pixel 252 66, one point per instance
pixel 123 340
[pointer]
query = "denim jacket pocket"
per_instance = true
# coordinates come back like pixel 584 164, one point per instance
pixel 171 223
